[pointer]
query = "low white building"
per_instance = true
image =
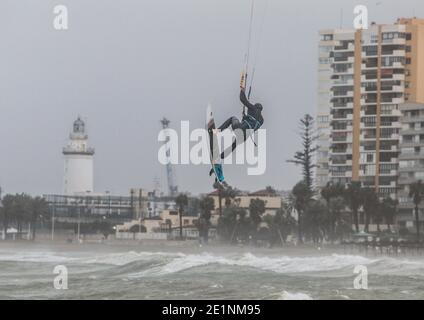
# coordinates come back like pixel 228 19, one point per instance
pixel 166 223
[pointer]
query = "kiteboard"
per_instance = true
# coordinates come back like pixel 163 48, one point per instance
pixel 214 150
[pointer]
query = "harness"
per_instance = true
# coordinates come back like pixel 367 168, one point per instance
pixel 254 125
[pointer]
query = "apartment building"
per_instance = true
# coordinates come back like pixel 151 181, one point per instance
pixel 325 82
pixel 411 161
pixel 370 74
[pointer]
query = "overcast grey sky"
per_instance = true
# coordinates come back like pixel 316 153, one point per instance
pixel 123 65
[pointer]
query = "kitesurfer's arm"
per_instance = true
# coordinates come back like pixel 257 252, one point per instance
pixel 244 100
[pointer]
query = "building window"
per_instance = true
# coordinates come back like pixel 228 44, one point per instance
pixel 327 37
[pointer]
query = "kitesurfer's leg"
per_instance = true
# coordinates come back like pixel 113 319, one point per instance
pixel 233 122
pixel 240 139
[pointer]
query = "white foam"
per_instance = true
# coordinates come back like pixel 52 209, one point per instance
pixel 121 259
pixel 42 257
pixel 294 296
pixel 282 264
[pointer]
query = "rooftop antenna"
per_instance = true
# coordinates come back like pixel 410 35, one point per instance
pixel 341 18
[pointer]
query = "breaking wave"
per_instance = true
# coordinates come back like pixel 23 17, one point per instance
pixel 151 264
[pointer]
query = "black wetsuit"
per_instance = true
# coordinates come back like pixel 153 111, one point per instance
pixel 253 120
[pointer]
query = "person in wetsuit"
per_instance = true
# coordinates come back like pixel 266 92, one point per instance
pixel 253 120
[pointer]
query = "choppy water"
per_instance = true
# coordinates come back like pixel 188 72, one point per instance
pixel 96 273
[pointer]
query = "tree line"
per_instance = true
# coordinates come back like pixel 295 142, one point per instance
pixel 22 210
pixel 25 212
pixel 331 212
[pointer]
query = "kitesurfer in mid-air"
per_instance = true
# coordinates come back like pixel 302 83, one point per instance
pixel 252 120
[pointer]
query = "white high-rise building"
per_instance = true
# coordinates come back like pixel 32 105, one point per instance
pixel 325 83
pixel 364 76
pixel 78 178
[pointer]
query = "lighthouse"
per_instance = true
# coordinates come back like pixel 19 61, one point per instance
pixel 78 177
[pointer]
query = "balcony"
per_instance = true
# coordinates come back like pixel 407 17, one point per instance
pixel 368 125
pixel 392 100
pixel 368 101
pixel 391 124
pixel 412 144
pixel 393 136
pixel 345 94
pixel 394 113
pixel 411 155
pixel 414 119
pixel 341 151
pixel 399 41
pixel 368 137
pixel 342 128
pixel 368 77
pixel 394 53
pixel 398 88
pixel 345 47
pixel 337 82
pixel 348 71
pixel 345 59
pixel 394 65
pixel 390 149
pixel 419 168
pixel 368 115
pixel 369 66
pixel 369 54
pixel 398 76
pixel 342 174
pixel 341 140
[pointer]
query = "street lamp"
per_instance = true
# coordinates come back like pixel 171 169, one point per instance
pixel 53 212
pixel 79 222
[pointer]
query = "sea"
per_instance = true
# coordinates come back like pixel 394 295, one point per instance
pixel 187 271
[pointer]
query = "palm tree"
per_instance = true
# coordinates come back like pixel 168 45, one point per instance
pixel 337 206
pixel 227 223
pixel 416 191
pixel 315 220
pixel 8 204
pixel 282 224
pixel 256 209
pixel 182 202
pixel 300 197
pixel 206 206
pixel 271 191
pixel 353 196
pixel 226 194
pixel 329 192
pixel 39 208
pixel 389 210
pixel 371 205
pixel 22 211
